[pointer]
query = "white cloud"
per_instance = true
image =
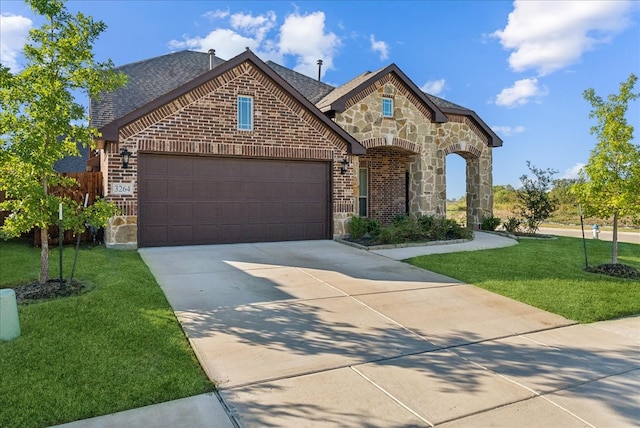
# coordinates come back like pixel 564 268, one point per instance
pixel 573 172
pixel 216 14
pixel 257 26
pixel 14 30
pixel 379 46
pixel 305 37
pixel 434 87
pixel 549 35
pixel 508 131
pixel 521 93
pixel 227 43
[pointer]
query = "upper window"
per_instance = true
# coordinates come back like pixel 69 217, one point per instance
pixel 245 113
pixel 387 107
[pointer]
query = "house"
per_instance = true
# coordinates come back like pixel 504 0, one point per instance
pixel 204 151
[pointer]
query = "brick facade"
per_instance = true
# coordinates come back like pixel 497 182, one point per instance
pixel 406 152
pixel 203 122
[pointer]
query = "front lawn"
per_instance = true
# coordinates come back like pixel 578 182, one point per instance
pixel 548 274
pixel 116 347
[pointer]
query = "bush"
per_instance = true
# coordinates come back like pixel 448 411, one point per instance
pixel 490 223
pixel 512 225
pixel 360 226
pixel 422 228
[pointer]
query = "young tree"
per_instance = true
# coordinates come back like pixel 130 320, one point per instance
pixel 534 203
pixel 610 181
pixel 40 122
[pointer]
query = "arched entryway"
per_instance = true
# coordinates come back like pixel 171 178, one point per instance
pixel 383 178
pixel 474 189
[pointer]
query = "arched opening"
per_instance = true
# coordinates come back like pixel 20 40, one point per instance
pixel 462 175
pixel 456 185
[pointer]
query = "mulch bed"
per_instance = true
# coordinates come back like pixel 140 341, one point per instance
pixel 51 289
pixel 618 270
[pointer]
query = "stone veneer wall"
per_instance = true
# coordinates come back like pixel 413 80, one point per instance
pixel 425 145
pixel 203 122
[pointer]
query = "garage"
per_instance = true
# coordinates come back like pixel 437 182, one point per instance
pixel 197 200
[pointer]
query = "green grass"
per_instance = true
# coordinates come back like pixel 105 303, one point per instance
pixel 548 274
pixel 113 348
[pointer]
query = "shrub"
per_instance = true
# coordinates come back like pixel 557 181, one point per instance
pixel 360 226
pixel 534 203
pixel 490 223
pixel 357 227
pixel 512 224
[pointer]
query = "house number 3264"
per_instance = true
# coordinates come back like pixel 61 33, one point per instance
pixel 122 188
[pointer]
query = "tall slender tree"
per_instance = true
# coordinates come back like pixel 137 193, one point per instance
pixel 41 121
pixel 610 181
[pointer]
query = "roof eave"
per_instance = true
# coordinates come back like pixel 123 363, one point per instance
pixel 339 105
pixel 494 140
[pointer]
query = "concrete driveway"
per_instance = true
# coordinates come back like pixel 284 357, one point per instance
pixel 316 333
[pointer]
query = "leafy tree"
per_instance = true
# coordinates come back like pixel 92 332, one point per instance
pixel 504 195
pixel 40 122
pixel 610 181
pixel 561 191
pixel 534 203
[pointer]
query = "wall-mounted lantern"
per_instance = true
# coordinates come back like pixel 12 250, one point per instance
pixel 126 156
pixel 344 167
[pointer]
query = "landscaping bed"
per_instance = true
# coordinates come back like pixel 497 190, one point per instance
pixel 405 231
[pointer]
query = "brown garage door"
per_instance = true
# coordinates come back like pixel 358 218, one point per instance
pixel 188 200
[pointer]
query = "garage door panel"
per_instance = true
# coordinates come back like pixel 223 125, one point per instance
pixel 181 213
pixel 154 214
pixel 155 189
pixel 205 190
pixel 205 212
pixel 180 189
pixel 227 200
pixel 154 235
pixel 181 166
pixel 180 234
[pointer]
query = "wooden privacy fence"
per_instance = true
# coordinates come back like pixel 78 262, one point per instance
pixel 86 182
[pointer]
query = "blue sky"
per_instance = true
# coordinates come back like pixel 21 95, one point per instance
pixel 522 66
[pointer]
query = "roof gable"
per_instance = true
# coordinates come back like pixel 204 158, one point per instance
pixel 337 99
pixel 110 131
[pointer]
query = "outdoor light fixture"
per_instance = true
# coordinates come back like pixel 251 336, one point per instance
pixel 345 165
pixel 126 155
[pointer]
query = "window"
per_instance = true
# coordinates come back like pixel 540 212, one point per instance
pixel 245 113
pixel 363 197
pixel 387 107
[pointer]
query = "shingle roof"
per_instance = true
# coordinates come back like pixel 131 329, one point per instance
pixel 155 77
pixel 310 88
pixel 148 80
pixel 442 103
pixel 340 91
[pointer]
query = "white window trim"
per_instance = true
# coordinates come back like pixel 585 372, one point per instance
pixel 251 113
pixel 391 112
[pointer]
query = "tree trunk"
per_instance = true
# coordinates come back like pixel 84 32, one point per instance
pixel 44 255
pixel 614 244
pixel 44 243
